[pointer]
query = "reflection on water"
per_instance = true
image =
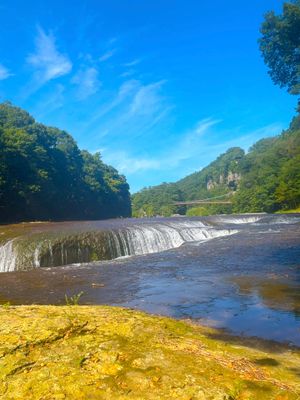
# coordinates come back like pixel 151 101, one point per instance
pixel 248 283
pixel 273 292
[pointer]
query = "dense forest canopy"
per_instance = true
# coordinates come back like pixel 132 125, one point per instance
pixel 44 175
pixel 271 174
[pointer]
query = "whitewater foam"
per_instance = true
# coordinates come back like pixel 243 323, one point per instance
pixel 34 251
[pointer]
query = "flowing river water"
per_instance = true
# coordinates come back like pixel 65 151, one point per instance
pixel 240 273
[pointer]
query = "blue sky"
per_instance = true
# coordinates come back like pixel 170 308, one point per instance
pixel 159 87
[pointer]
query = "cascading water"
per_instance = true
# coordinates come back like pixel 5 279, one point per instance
pixel 139 240
pixel 55 248
pixel 7 257
pixel 246 219
pixel 56 244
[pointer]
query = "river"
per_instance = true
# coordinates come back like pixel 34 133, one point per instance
pixel 239 273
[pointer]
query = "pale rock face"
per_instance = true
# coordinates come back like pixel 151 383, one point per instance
pixel 211 184
pixel 232 177
pixel 233 180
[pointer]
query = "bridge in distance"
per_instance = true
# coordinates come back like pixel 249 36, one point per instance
pixel 191 203
pixel 211 200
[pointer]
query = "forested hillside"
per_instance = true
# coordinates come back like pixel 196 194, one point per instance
pixel 220 177
pixel 44 175
pixel 271 174
pixel 266 179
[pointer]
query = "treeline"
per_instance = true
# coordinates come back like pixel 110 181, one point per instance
pixel 266 179
pixel 45 176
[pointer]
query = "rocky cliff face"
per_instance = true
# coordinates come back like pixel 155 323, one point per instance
pixel 211 184
pixel 231 180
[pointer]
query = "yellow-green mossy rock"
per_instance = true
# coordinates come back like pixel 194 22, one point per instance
pixel 96 352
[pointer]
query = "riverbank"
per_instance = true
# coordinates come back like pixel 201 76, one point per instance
pixel 80 352
pixel 294 211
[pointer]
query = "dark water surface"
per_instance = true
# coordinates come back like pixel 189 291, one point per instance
pixel 248 282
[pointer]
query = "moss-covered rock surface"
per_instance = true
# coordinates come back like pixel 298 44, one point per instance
pixel 96 352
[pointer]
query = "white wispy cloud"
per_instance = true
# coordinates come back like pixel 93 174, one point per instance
pixel 87 82
pixel 132 63
pixel 147 100
pixel 128 73
pixel 244 138
pixel 112 40
pixel 4 73
pixel 202 142
pixel 192 141
pixel 185 148
pixel 124 92
pixel 135 110
pixel 191 151
pixel 266 131
pixel 51 101
pixel 127 88
pixel 47 61
pixel 106 56
pixel 126 163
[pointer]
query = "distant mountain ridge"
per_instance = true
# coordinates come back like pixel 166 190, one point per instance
pixel 266 179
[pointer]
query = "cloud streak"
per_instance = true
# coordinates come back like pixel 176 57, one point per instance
pixel 4 73
pixel 124 92
pixel 106 56
pixel 195 149
pixel 50 102
pixel 48 63
pixel 147 99
pixel 124 162
pixel 87 82
pixel 186 148
pixel 128 73
pixel 135 110
pixel 132 63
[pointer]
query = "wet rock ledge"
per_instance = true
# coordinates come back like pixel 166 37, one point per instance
pixel 98 352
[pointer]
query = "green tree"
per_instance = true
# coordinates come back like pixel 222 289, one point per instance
pixel 288 190
pixel 270 173
pixel 280 46
pixel 197 212
pixel 44 175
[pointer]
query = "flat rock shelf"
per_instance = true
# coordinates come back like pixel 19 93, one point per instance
pixel 98 352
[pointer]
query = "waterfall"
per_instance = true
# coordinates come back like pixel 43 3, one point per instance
pixel 7 257
pixel 244 219
pixel 147 239
pixel 56 248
